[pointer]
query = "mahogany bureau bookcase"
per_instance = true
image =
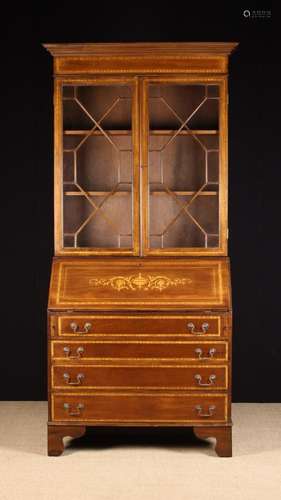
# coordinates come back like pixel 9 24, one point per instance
pixel 139 312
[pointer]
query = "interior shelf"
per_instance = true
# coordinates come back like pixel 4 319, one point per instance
pixel 151 132
pixel 185 193
pixel 96 193
pixel 153 192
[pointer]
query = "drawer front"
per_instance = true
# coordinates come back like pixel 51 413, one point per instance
pixel 139 377
pixel 142 349
pixel 143 408
pixel 200 326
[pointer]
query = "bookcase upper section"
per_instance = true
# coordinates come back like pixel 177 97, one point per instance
pixel 141 148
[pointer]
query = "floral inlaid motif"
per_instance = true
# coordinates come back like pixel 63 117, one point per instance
pixel 139 282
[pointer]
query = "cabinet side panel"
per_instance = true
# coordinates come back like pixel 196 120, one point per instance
pixel 58 165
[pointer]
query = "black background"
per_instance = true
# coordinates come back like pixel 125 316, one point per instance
pixel 27 175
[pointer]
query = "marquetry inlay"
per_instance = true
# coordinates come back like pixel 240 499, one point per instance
pixel 139 282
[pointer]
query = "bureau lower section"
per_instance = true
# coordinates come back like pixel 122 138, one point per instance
pixel 139 370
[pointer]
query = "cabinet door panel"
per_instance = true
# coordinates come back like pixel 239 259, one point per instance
pixel 184 166
pixel 98 150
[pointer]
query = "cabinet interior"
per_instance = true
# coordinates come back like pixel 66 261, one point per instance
pixel 100 157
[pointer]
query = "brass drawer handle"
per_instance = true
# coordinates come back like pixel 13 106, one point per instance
pixel 211 379
pixel 211 353
pixel 79 378
pixel 75 328
pixel 210 413
pixel 204 328
pixel 79 352
pixel 73 413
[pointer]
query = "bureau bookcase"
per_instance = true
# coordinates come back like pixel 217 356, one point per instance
pixel 139 314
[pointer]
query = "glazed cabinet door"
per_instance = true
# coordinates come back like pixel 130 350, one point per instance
pixel 96 166
pixel 184 170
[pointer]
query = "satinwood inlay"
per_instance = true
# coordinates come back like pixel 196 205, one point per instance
pixel 139 282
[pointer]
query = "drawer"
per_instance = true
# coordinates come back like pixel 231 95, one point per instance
pixel 143 408
pixel 148 325
pixel 139 377
pixel 139 349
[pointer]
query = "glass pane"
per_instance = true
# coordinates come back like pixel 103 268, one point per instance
pixel 97 166
pixel 183 166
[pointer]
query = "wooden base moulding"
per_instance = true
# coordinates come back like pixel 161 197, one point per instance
pixel 56 433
